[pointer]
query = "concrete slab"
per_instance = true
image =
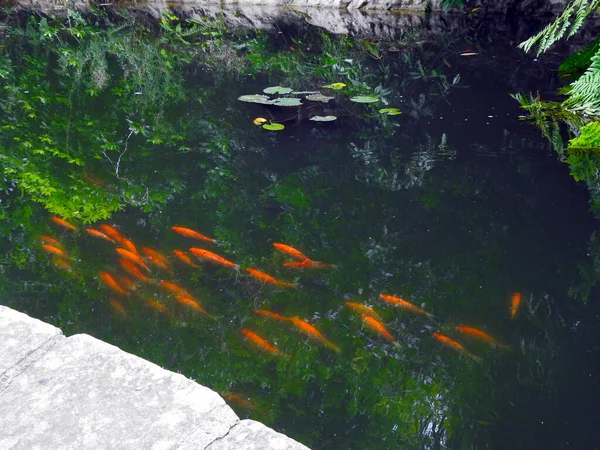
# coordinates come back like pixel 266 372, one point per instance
pixel 251 435
pixel 23 339
pixel 86 394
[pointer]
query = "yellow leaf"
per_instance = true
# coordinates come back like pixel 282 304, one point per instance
pixel 259 121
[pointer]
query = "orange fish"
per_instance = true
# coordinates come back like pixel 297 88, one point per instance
pixel 474 332
pixel 111 283
pixel 213 257
pixel 404 304
pixel 291 251
pixel 190 301
pixel 157 259
pixel 128 283
pixel 455 345
pixel 181 256
pixel 133 270
pixel 192 234
pixel 516 301
pixel 311 331
pixel 260 342
pixel 112 232
pixel 132 257
pixel 118 306
pixel 55 251
pixel 63 223
pixel 50 240
pixel 379 327
pixel 364 309
pixel 272 315
pixel 157 306
pixel 128 245
pixel 238 400
pixel 307 264
pixel 174 288
pixel 62 264
pixel 267 278
pixel 98 234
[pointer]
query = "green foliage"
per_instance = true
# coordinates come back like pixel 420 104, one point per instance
pixel 588 139
pixel 584 95
pixel 577 63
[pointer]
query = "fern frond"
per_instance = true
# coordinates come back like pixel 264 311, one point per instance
pixel 569 22
pixel 585 91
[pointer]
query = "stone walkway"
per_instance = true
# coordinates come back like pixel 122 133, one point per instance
pixel 82 393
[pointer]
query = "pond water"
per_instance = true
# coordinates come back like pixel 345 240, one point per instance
pixel 455 206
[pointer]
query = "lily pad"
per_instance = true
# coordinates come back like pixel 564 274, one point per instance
pixel 255 98
pixel 273 126
pixel 390 111
pixel 336 86
pixel 318 98
pixel 304 92
pixel 364 99
pixel 323 118
pixel 286 101
pixel 277 90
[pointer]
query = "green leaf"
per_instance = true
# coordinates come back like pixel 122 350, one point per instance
pixel 277 90
pixel 323 118
pixel 390 111
pixel 318 98
pixel 364 99
pixel 255 98
pixel 286 102
pixel 273 126
pixel 589 138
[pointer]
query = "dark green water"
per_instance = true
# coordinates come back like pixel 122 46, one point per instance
pixel 454 205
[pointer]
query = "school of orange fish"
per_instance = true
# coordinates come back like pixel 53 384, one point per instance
pixel 136 265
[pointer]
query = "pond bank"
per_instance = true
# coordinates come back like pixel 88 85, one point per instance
pixel 79 392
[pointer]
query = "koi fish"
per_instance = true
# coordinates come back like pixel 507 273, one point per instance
pixel 63 223
pixel 62 264
pixel 128 245
pixel 213 257
pixel 190 301
pixel 128 283
pixel 364 309
pixel 272 315
pixel 291 251
pixel 112 232
pixel 50 241
pixel 379 327
pixel 192 234
pixel 516 301
pixel 157 259
pixel 172 287
pixel 307 264
pixel 238 400
pixel 311 331
pixel 260 342
pixel 404 304
pixel 267 278
pixel 474 332
pixel 55 251
pixel 133 270
pixel 108 279
pixel 118 307
pixel 132 257
pixel 451 343
pixel 98 234
pixel 157 306
pixel 181 256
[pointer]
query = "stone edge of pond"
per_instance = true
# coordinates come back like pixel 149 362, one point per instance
pixel 80 392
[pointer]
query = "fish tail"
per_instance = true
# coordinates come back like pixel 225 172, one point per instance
pixel 504 347
pixel 236 267
pixel 397 344
pixel 429 315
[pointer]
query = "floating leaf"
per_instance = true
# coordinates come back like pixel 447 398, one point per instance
pixel 255 98
pixel 323 118
pixel 273 126
pixel 336 86
pixel 286 102
pixel 390 111
pixel 259 121
pixel 364 99
pixel 304 92
pixel 318 98
pixel 277 90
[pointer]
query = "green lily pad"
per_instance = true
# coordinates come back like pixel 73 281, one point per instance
pixel 323 118
pixel 364 99
pixel 318 98
pixel 286 101
pixel 390 111
pixel 277 90
pixel 273 126
pixel 304 92
pixel 255 98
